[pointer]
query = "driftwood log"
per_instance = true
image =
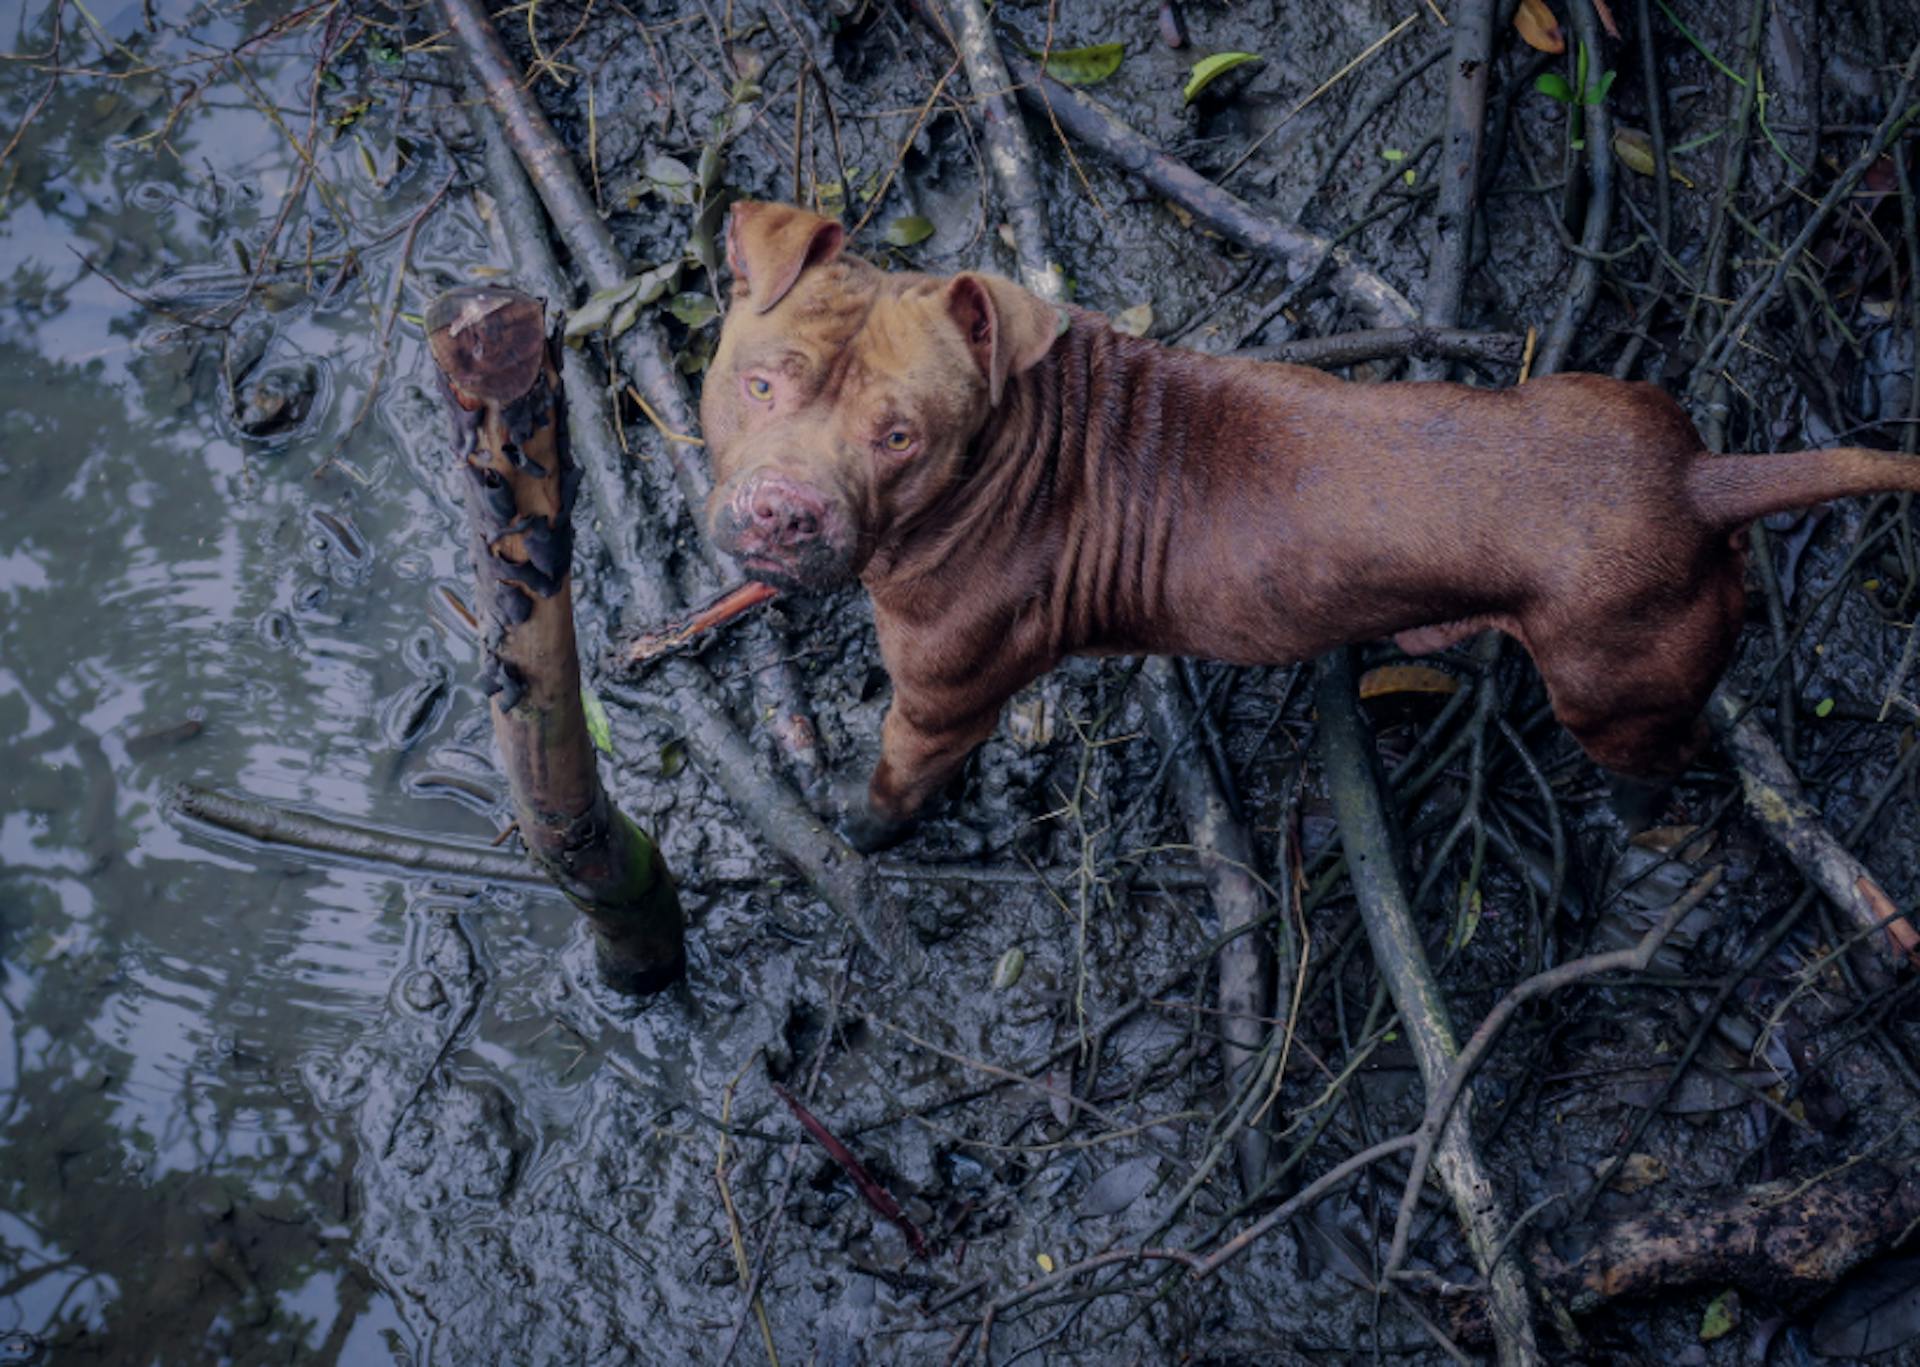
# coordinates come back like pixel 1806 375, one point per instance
pixel 1787 1241
pixel 497 365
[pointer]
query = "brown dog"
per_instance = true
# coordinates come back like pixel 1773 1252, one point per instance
pixel 1015 482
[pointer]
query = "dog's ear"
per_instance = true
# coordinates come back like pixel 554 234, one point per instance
pixel 768 245
pixel 1008 329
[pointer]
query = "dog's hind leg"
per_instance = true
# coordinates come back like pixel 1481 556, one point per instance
pixel 1633 688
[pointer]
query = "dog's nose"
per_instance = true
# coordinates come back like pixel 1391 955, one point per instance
pixel 785 513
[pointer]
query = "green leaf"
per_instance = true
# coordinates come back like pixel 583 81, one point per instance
pixel 349 116
pixel 711 166
pixel 1723 1313
pixel 1007 972
pixel 673 758
pixel 599 730
pixel 701 248
pixel 1210 69
pixel 1393 154
pixel 1598 90
pixel 1553 85
pixel 904 232
pixel 693 308
pixel 1083 65
pixel 669 171
pixel 599 308
pixel 1823 708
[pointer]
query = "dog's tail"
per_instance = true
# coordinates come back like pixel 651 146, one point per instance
pixel 1730 490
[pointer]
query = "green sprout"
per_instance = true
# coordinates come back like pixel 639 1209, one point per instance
pixel 1576 96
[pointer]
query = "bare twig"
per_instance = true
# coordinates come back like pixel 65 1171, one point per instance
pixel 683 630
pixel 1584 283
pixel 1397 952
pixel 1009 150
pixel 289 829
pixel 865 1182
pixel 1301 252
pixel 1472 32
pixel 1775 799
pixel 1418 342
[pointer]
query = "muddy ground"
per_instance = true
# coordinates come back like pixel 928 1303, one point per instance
pixel 267 1107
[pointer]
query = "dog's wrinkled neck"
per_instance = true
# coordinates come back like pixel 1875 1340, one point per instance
pixel 1071 489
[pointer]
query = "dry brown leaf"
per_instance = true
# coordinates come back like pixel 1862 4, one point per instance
pixel 1537 27
pixel 1606 19
pixel 1635 150
pixel 1638 1171
pixel 1377 683
pixel 1899 929
pixel 1663 839
pixel 1134 321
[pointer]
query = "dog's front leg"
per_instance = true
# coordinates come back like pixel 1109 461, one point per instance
pixel 921 746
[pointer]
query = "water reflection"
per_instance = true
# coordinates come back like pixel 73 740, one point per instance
pixel 180 599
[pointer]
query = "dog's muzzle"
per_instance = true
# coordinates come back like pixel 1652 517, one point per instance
pixel 786 533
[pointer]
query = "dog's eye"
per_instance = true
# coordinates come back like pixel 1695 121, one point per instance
pixel 759 388
pixel 898 439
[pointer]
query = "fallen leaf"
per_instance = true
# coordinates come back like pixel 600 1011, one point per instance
pixel 669 171
pixel 1899 929
pixel 1723 1314
pixel 1663 839
pixel 904 232
pixel 1083 65
pixel 599 307
pixel 1537 27
pixel 693 308
pixel 1635 151
pixel 1876 1308
pixel 598 728
pixel 1045 1260
pixel 1118 1187
pixel 1637 1173
pixel 1377 683
pixel 1007 972
pixel 1606 19
pixel 1210 69
pixel 1059 1094
pixel 1134 321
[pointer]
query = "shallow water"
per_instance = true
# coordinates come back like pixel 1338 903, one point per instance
pixel 184 602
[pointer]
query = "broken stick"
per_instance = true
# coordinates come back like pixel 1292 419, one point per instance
pixel 497 364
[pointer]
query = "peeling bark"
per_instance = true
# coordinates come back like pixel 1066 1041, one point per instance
pixel 1787 1241
pixel 499 371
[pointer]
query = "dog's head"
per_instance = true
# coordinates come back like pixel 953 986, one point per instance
pixel 842 400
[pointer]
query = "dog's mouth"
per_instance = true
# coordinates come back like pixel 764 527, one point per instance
pixel 814 572
pixel 813 567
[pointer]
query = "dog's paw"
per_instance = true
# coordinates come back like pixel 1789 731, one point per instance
pixel 1638 803
pixel 870 833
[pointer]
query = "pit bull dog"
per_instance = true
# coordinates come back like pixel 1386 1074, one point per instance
pixel 1015 482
